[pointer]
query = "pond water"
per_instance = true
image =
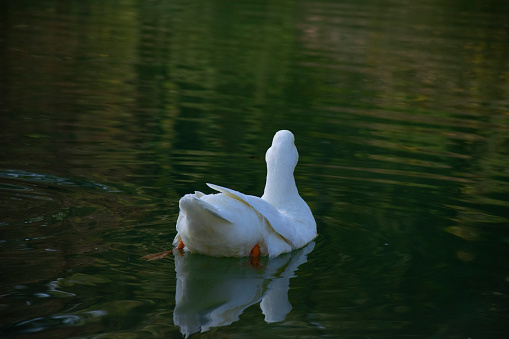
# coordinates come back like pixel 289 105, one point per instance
pixel 111 111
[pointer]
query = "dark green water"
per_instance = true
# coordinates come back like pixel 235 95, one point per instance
pixel 111 111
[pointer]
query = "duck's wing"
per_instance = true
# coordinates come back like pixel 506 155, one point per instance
pixel 275 219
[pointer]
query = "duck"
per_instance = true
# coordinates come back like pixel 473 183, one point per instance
pixel 232 224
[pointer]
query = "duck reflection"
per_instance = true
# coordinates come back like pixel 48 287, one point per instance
pixel 213 292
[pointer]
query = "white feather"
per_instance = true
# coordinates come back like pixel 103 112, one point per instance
pixel 231 223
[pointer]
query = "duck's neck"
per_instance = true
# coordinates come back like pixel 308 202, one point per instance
pixel 280 188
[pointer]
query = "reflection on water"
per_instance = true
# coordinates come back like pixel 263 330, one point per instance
pixel 213 292
pixel 110 112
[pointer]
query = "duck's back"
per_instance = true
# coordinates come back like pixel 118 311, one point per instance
pixel 221 225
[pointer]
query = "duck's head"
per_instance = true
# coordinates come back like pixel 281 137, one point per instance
pixel 282 153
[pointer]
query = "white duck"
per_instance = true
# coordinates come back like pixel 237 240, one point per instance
pixel 233 224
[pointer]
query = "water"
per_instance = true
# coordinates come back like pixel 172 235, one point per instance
pixel 111 112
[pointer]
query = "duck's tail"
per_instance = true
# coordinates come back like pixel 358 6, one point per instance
pixel 198 220
pixel 191 204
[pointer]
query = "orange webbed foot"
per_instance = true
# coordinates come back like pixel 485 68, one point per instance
pixel 255 252
pixel 255 256
pixel 180 245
